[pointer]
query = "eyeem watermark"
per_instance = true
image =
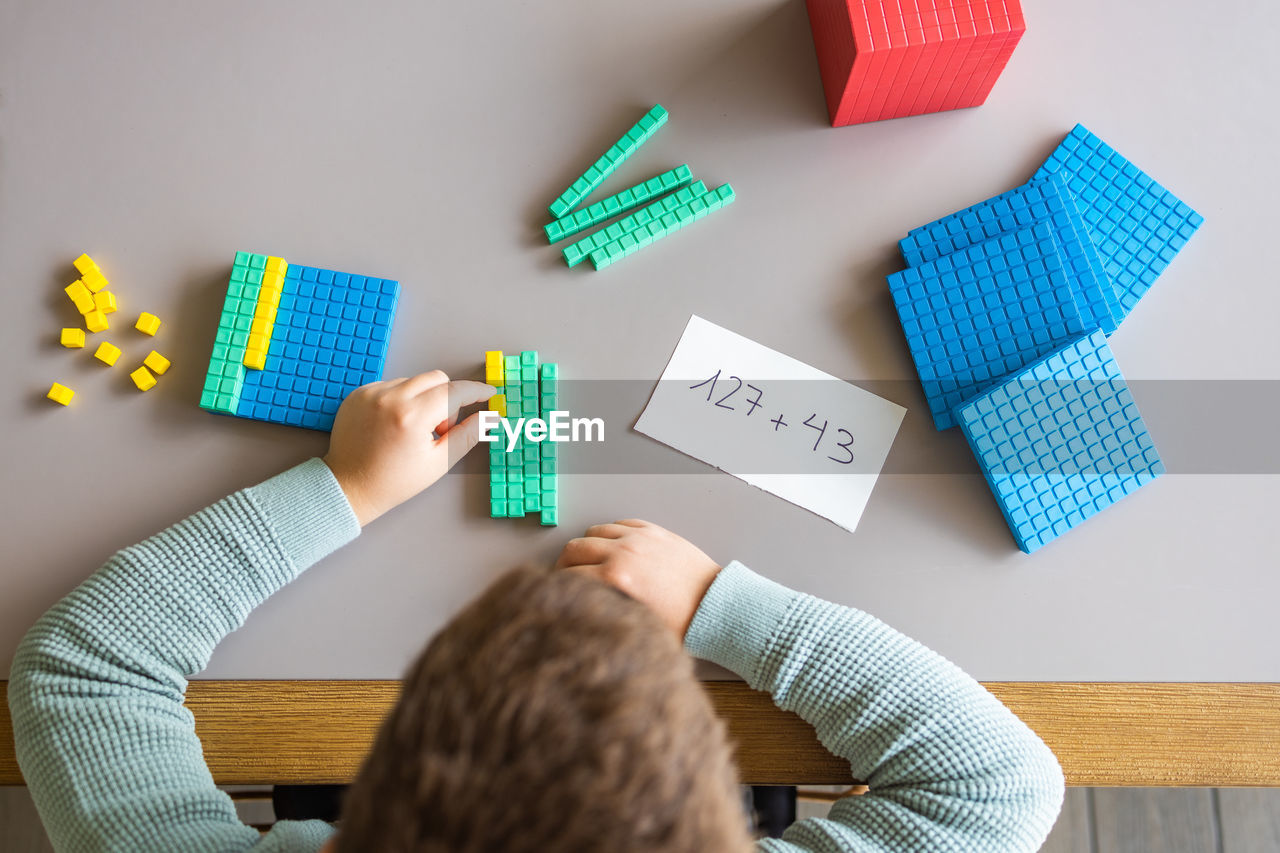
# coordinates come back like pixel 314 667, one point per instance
pixel 560 427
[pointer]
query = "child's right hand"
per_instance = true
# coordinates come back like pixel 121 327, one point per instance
pixel 394 438
pixel 647 562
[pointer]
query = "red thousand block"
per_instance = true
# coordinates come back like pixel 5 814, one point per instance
pixel 891 58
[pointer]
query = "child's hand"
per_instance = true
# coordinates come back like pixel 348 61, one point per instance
pixel 384 447
pixel 647 562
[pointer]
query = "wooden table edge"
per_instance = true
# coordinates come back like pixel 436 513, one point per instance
pixel 1214 734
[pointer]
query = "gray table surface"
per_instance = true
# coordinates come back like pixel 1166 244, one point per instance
pixel 422 141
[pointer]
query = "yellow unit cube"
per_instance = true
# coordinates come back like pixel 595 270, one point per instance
pixel 80 295
pixel 143 379
pixel 84 264
pixel 95 321
pixel 94 280
pixel 76 290
pixel 148 324
pixel 498 403
pixel 73 338
pixel 60 394
pixel 158 363
pixel 107 353
pixel 256 359
pixel 105 301
pixel 493 371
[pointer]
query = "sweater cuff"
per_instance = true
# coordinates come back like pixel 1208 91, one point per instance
pixel 308 511
pixel 737 619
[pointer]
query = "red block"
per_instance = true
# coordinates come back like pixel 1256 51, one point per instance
pixel 891 58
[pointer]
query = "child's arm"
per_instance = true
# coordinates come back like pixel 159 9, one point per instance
pixel 947 765
pixel 105 745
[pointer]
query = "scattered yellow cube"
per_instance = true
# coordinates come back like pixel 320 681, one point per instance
pixel 94 280
pixel 73 338
pixel 105 301
pixel 76 290
pixel 84 264
pixel 80 295
pixel 158 363
pixel 143 379
pixel 107 353
pixel 60 394
pixel 95 321
pixel 148 324
pixel 498 403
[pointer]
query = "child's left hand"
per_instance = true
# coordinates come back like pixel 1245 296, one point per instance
pixel 393 439
pixel 647 562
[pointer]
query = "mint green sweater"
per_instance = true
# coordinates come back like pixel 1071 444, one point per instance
pixel 113 761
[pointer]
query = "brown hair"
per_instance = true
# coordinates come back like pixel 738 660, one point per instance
pixel 552 714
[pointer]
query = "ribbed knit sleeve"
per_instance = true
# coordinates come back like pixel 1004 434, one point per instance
pixel 948 766
pixel 108 750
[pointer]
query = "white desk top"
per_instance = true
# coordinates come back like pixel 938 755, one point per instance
pixel 422 142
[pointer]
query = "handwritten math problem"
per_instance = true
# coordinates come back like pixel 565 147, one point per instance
pixel 775 422
pixel 735 384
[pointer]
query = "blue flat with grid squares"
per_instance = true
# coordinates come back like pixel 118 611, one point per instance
pixel 1060 440
pixel 976 315
pixel 1044 200
pixel 327 335
pixel 1136 224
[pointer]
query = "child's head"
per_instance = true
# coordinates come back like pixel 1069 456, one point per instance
pixel 552 714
